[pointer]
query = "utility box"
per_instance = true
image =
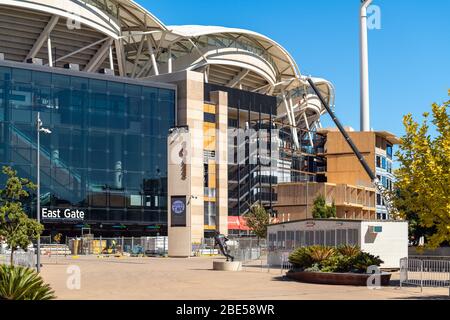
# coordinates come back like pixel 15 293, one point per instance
pixel 386 239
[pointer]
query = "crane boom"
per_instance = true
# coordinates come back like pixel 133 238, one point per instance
pixel 375 181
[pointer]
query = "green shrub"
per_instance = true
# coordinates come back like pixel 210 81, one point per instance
pixel 319 253
pixel 349 251
pixel 345 259
pixel 337 263
pixel 19 283
pixel 306 257
pixel 314 268
pixel 301 258
pixel 361 262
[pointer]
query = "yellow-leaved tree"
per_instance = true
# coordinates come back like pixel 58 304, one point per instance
pixel 423 179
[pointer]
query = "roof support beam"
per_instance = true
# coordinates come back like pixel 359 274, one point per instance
pixel 170 60
pixel 138 56
pixel 111 59
pixel 294 122
pixel 288 106
pixel 81 50
pixel 99 57
pixel 262 89
pixel 309 130
pixel 138 21
pixel 120 57
pixel 152 54
pixel 49 52
pixel 239 77
pixel 42 37
pixel 206 73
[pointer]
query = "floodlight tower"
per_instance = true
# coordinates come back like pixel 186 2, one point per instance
pixel 364 66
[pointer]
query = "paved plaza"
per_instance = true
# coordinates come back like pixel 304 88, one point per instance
pixel 193 279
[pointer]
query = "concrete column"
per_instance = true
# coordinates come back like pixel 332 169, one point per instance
pixel 220 99
pixel 190 101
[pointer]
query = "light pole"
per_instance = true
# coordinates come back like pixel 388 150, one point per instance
pixel 39 129
pixel 364 67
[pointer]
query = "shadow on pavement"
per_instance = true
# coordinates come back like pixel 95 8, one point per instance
pixel 283 278
pixel 424 298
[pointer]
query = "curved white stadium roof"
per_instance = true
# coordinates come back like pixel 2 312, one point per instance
pixel 281 55
pixel 124 36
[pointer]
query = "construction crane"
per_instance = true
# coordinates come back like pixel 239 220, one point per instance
pixel 385 194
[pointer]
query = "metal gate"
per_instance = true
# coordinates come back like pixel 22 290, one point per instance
pixel 425 273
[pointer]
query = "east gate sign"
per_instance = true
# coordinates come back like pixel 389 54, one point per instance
pixel 62 214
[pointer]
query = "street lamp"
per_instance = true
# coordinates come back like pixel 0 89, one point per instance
pixel 39 129
pixel 364 67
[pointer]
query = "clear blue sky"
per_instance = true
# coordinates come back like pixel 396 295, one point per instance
pixel 409 56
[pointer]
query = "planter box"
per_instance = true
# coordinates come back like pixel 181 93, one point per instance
pixel 342 279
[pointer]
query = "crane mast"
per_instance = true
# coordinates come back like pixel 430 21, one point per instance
pixel 385 194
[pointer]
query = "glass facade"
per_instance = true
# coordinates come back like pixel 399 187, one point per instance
pixel 107 153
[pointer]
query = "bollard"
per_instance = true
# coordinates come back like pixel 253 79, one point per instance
pixel 421 276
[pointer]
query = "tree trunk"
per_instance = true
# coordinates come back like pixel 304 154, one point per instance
pixel 12 257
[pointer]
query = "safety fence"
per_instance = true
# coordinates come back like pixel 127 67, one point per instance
pixel 20 258
pixel 242 248
pixel 206 247
pixel 149 246
pixel 285 264
pixel 248 248
pixel 250 251
pixel 261 259
pixel 425 273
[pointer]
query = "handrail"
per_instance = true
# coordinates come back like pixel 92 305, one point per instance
pixel 43 151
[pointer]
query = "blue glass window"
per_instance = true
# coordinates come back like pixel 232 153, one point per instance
pixel 108 144
pixel 389 151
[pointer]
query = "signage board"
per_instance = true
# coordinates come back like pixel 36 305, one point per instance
pixel 178 211
pixel 376 229
pixel 67 214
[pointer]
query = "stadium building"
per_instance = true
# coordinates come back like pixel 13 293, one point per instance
pixel 122 93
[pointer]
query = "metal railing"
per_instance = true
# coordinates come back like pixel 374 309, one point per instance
pixel 425 273
pixel 285 264
pixel 20 258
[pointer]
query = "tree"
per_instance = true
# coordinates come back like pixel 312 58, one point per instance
pixel 323 211
pixel 15 226
pixel 423 179
pixel 258 219
pixel 57 238
pixel 415 230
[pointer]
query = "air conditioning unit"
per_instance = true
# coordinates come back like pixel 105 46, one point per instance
pixel 109 72
pixel 376 229
pixel 37 61
pixel 72 66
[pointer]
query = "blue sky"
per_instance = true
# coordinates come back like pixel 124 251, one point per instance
pixel 409 56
